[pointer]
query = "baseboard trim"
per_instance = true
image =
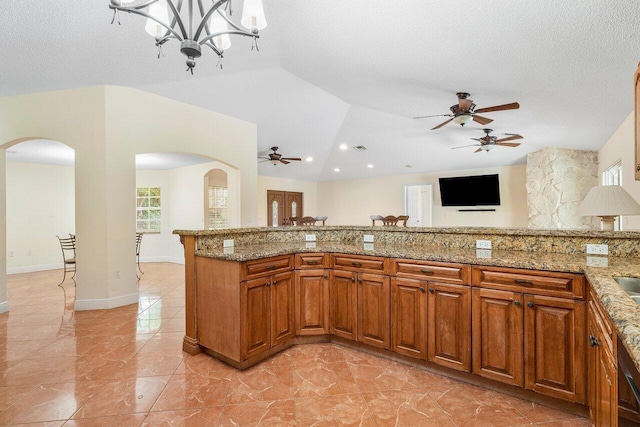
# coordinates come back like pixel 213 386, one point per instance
pixel 4 307
pixel 33 268
pixel 105 303
pixel 170 259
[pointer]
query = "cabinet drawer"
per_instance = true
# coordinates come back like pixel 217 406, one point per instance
pixel 430 270
pixel 312 260
pixel 256 268
pixel 549 283
pixel 368 264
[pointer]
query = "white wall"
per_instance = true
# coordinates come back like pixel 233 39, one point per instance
pixel 40 205
pixel 351 202
pixel 309 197
pixel 621 146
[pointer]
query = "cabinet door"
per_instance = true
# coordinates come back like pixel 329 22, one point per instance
pixel 449 320
pixel 409 317
pixel 497 333
pixel 282 316
pixel 555 353
pixel 343 304
pixel 602 400
pixel 312 302
pixel 255 306
pixel 373 310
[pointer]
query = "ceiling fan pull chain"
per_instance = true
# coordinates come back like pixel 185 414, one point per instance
pixel 115 15
pixel 219 64
pixel 160 52
pixel 255 44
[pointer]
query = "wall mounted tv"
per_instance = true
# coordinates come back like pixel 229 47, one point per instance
pixel 479 190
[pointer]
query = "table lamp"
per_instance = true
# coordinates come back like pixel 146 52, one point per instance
pixel 607 202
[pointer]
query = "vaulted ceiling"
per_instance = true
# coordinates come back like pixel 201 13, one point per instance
pixel 356 72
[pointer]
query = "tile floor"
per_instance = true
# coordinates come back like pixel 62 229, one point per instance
pixel 125 367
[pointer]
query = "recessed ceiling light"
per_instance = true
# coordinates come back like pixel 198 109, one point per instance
pixel 369 166
pixel 336 170
pixel 343 146
pixel 309 159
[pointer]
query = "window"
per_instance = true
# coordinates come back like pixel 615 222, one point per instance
pixel 148 209
pixel 218 207
pixel 613 176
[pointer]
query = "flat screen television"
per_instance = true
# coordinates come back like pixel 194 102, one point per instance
pixel 479 190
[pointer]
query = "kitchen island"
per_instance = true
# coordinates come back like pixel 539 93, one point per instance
pixel 274 288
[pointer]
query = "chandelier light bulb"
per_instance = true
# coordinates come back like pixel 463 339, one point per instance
pixel 219 25
pixel 159 11
pixel 253 15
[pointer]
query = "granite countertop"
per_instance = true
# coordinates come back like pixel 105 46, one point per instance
pixel 623 311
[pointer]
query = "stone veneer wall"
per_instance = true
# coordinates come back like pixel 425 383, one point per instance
pixel 558 179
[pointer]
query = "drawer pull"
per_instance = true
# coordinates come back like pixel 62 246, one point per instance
pixel 359 280
pixel 353 279
pixel 426 271
pixel 268 283
pixel 270 267
pixel 431 290
pixel 312 262
pixel 274 282
pixel 593 341
pixel 517 303
pixel 530 304
pixel 356 264
pixel 325 276
pixel 421 289
pixel 523 282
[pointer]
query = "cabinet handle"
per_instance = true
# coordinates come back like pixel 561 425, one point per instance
pixel 530 304
pixel 523 282
pixel 268 283
pixel 274 282
pixel 353 279
pixel 312 262
pixel 359 280
pixel 325 276
pixel 593 341
pixel 270 267
pixel 356 264
pixel 517 303
pixel 431 290
pixel 426 271
pixel 421 289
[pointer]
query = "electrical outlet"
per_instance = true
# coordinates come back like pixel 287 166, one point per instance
pixel 368 246
pixel 310 237
pixel 368 238
pixel 597 261
pixel 227 243
pixel 483 244
pixel 310 245
pixel 598 249
pixel 228 250
pixel 483 253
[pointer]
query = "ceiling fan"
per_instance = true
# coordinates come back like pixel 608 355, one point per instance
pixel 488 142
pixel 276 158
pixel 465 111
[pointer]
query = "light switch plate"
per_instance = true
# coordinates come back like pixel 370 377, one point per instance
pixel 597 261
pixel 227 243
pixel 368 237
pixel 598 249
pixel 310 237
pixel 483 244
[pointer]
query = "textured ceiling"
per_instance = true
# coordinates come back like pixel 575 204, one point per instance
pixel 356 72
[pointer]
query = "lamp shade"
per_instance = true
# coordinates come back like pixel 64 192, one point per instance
pixel 608 200
pixel 219 25
pixel 253 15
pixel 159 11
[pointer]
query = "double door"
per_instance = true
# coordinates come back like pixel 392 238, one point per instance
pixel 432 320
pixel 531 341
pixel 267 313
pixel 282 206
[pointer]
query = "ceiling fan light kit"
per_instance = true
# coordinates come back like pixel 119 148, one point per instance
pixel 209 25
pixel 275 158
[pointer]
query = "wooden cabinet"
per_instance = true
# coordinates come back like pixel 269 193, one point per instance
pixel 449 325
pixel 524 335
pixel 312 302
pixel 409 317
pixel 267 313
pixel 360 299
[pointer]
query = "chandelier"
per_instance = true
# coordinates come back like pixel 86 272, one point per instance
pixel 209 27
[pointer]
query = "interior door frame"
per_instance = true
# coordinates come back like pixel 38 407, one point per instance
pixel 430 208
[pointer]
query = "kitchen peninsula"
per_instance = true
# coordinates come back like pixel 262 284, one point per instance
pixel 514 316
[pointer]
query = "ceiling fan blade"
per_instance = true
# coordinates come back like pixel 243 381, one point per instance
pixel 267 160
pixel 511 138
pixel 511 106
pixel 464 146
pixel 435 115
pixel 478 150
pixel 284 161
pixel 442 124
pixel 508 144
pixel 296 159
pixel 464 104
pixel 479 140
pixel 482 120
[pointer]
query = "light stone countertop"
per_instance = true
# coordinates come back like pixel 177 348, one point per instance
pixel 622 310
